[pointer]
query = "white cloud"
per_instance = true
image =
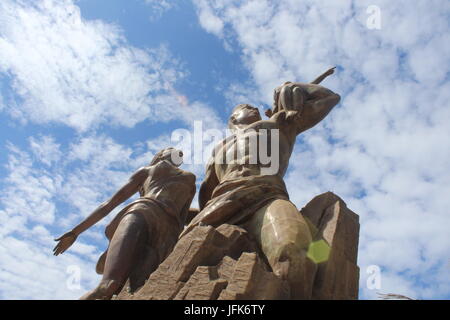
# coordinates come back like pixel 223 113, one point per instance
pixel 384 149
pixel 45 149
pixel 208 20
pixel 49 277
pixel 28 217
pixel 80 73
pixel 2 103
pixel 83 73
pixel 30 193
pixel 159 7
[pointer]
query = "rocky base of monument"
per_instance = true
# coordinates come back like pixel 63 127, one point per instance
pixel 224 263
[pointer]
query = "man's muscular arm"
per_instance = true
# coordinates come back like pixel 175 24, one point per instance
pixel 318 102
pixel 317 106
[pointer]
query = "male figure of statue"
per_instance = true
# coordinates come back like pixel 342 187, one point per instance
pixel 147 227
pixel 240 193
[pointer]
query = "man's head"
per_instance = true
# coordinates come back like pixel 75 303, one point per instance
pixel 170 154
pixel 243 114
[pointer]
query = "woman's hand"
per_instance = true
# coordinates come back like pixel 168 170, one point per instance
pixel 65 241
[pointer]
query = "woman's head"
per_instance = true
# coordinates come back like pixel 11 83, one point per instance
pixel 170 154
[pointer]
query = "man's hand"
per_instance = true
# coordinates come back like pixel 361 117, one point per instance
pixel 329 72
pixel 292 115
pixel 65 241
pixel 284 116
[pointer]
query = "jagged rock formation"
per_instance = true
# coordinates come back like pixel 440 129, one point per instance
pixel 338 226
pixel 226 264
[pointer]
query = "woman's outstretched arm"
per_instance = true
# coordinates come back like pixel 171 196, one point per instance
pixel 130 188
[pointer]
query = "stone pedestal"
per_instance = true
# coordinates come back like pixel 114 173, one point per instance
pixel 224 263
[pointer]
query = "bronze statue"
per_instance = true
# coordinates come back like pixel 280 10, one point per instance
pixel 238 193
pixel 147 227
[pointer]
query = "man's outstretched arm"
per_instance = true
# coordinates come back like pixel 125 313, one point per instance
pixel 318 105
pixel 322 77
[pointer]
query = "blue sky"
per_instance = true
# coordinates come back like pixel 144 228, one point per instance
pixel 91 89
